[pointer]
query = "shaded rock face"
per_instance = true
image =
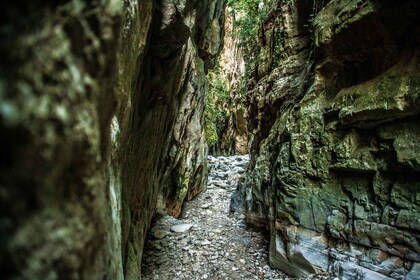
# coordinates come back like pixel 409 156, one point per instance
pixel 334 113
pixel 56 97
pixel 101 112
pixel 162 152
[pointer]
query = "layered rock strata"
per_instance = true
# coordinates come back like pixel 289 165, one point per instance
pixel 334 111
pixel 101 114
pixel 161 150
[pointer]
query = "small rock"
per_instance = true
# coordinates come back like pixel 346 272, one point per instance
pixel 205 243
pixel 181 227
pixel 206 206
pixel 159 234
pixel 223 167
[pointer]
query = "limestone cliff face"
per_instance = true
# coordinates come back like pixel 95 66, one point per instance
pixel 334 112
pixel 101 110
pixel 234 137
pixel 161 150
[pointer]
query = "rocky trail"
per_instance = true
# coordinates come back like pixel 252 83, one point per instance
pixel 218 245
pixel 208 241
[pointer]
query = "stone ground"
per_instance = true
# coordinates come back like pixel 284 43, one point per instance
pixel 209 241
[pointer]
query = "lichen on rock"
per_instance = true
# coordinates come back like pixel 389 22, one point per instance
pixel 101 114
pixel 335 121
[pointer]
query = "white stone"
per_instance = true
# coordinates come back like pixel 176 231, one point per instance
pixel 207 205
pixel 181 227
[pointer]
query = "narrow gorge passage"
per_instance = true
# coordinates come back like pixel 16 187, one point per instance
pixel 218 245
pixel 110 108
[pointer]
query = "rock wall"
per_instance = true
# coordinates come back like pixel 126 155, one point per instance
pixel 234 137
pixel 56 98
pixel 101 113
pixel 334 112
pixel 162 152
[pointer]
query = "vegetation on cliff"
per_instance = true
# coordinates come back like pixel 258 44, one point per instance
pixel 216 110
pixel 248 15
pixel 224 99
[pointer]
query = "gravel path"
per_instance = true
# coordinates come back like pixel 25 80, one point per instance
pixel 214 244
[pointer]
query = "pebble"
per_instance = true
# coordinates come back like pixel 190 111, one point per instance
pixel 159 234
pixel 181 227
pixel 207 205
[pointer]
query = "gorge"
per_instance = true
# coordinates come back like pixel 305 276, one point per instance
pixel 104 126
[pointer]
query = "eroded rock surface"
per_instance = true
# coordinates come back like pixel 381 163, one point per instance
pixel 234 137
pixel 334 112
pixel 160 146
pixel 101 106
pixel 56 100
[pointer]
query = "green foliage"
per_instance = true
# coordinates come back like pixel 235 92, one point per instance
pixel 248 15
pixel 216 112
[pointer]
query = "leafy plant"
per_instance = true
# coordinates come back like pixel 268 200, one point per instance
pixel 248 16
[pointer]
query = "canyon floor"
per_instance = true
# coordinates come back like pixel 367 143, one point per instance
pixel 209 241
